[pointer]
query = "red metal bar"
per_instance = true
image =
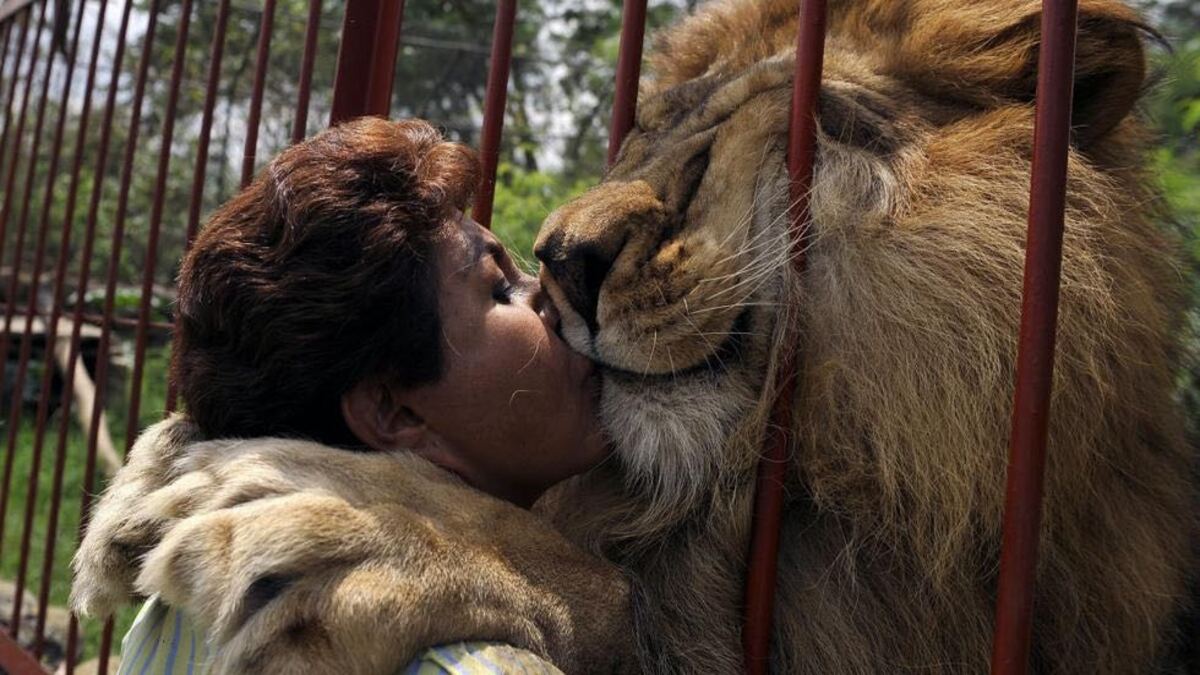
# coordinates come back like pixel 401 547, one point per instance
pixel 13 161
pixel 210 100
pixel 311 29
pixel 772 469
pixel 56 309
pixel 16 661
pixel 26 194
pixel 12 83
pixel 198 175
pixel 261 62
pixel 156 211
pixel 1035 351
pixel 629 68
pixel 366 59
pixel 493 109
pixel 8 29
pixel 10 304
pixel 114 261
pixel 31 311
pixel 85 266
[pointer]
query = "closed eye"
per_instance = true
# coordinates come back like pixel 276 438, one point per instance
pixel 502 292
pixel 854 118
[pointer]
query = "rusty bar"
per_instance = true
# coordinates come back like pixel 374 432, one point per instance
pixel 629 68
pixel 77 319
pixel 23 217
pixel 12 84
pixel 383 60
pixel 366 62
pixel 14 660
pixel 114 261
pixel 493 109
pixel 1035 347
pixel 13 161
pixel 31 311
pixel 156 212
pixel 210 100
pixel 8 29
pixel 56 309
pixel 261 62
pixel 198 175
pixel 311 29
pixel 10 304
pixel 772 468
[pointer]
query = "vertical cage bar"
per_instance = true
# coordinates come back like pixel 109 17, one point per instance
pixel 493 109
pixel 16 661
pixel 31 166
pixel 1035 347
pixel 56 309
pixel 8 29
pixel 629 68
pixel 206 121
pixel 156 212
pixel 311 29
pixel 14 77
pixel 196 202
pixel 18 254
pixel 114 262
pixel 366 62
pixel 772 468
pixel 31 313
pixel 14 161
pixel 261 63
pixel 77 316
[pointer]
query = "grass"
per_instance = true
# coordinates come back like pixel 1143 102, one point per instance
pixel 66 536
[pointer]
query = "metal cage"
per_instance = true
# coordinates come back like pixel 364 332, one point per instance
pixel 32 31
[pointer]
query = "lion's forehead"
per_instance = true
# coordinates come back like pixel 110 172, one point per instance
pixel 860 105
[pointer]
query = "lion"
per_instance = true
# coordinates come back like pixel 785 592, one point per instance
pixel 674 275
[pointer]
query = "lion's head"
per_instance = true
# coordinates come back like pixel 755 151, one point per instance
pixel 673 275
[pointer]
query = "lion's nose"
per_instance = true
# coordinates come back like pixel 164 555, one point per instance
pixel 579 271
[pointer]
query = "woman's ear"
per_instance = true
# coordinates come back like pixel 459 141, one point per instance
pixel 377 416
pixel 384 417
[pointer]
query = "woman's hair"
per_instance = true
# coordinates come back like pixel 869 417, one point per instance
pixel 317 276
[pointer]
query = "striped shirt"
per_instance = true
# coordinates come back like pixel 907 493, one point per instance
pixel 162 641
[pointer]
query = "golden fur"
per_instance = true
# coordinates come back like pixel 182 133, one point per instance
pixel 906 323
pixel 673 274
pixel 299 558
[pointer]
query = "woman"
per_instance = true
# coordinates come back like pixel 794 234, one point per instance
pixel 344 298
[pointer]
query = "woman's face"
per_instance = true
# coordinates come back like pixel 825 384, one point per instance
pixel 515 405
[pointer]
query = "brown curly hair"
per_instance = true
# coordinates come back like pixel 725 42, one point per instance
pixel 316 276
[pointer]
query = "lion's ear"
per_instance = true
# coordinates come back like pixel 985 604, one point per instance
pixel 986 52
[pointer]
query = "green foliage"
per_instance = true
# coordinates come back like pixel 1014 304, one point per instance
pixel 523 200
pixel 1174 109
